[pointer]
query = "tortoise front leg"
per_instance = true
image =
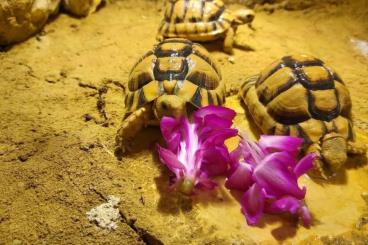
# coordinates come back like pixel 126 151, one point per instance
pixel 229 41
pixel 130 128
pixel 159 37
pixel 318 169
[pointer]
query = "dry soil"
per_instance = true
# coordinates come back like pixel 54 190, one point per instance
pixel 62 102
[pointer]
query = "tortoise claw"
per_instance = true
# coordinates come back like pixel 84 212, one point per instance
pixel 123 145
pixel 129 129
pixel 232 89
pixel 319 171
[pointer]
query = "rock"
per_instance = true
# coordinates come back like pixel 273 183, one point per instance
pixel 20 19
pixel 81 8
pixel 106 215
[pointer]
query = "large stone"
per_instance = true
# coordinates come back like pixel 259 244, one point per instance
pixel 20 19
pixel 81 8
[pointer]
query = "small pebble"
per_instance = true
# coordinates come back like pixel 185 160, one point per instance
pixel 231 59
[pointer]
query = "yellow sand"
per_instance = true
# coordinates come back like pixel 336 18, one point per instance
pixel 55 166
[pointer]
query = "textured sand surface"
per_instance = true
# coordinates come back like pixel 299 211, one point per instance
pixel 56 160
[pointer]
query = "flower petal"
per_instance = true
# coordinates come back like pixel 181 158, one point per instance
pixel 293 206
pixel 168 158
pixel 251 151
pixel 236 155
pixel 222 112
pixel 305 216
pixel 276 177
pixel 285 204
pixel 272 143
pixel 170 129
pixel 252 204
pixel 205 183
pixel 215 160
pixel 217 121
pixel 218 137
pixel 240 177
pixel 304 165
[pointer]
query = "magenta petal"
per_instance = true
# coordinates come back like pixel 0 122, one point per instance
pixel 293 206
pixel 252 204
pixel 170 160
pixel 217 122
pixel 271 143
pixel 285 204
pixel 205 183
pixel 218 137
pixel 170 129
pixel 240 177
pixel 222 112
pixel 304 165
pixel 252 153
pixel 215 160
pixel 236 155
pixel 276 177
pixel 305 216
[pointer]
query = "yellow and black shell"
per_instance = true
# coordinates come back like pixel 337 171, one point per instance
pixel 178 67
pixel 299 96
pixel 197 20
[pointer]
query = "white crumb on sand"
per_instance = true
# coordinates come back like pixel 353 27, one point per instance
pixel 361 45
pixel 106 215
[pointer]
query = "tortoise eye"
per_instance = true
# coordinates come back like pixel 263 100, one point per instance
pixel 137 82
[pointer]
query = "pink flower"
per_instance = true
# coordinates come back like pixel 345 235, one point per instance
pixel 196 150
pixel 268 173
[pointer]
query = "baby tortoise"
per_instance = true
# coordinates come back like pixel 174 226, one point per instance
pixel 300 96
pixel 164 82
pixel 203 20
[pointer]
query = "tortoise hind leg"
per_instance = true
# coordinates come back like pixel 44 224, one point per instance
pixel 129 129
pixel 356 148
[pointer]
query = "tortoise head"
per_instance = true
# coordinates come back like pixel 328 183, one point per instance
pixel 333 151
pixel 169 105
pixel 244 16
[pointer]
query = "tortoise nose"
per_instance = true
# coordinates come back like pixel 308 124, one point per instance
pixel 169 105
pixel 165 105
pixel 169 86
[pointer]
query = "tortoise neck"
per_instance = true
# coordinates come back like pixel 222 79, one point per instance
pixel 235 25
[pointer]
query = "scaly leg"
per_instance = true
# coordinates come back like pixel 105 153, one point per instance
pixel 318 169
pixel 159 37
pixel 129 129
pixel 229 41
pixel 240 43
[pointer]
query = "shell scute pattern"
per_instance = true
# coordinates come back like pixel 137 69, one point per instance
pixel 199 20
pixel 179 61
pixel 300 96
pixel 302 87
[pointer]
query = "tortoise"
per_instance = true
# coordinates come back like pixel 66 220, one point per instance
pixel 173 79
pixel 202 21
pixel 300 96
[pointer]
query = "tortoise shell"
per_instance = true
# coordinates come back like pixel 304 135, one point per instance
pixel 178 67
pixel 197 20
pixel 299 96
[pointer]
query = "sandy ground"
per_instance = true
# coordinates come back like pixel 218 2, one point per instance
pixel 56 160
